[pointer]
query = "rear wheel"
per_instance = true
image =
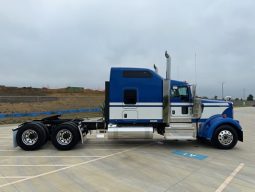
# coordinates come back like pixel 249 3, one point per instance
pixel 225 137
pixel 65 136
pixel 31 136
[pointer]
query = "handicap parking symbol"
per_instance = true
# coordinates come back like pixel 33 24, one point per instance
pixel 189 155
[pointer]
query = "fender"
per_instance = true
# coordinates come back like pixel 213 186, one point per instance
pixel 207 129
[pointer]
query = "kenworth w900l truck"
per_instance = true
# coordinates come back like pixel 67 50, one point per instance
pixel 139 103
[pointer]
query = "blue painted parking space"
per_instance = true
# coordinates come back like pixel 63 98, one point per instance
pixel 189 155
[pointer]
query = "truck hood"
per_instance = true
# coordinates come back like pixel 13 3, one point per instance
pixel 223 107
pixel 216 102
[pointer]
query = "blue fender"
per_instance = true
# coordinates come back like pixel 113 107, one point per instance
pixel 207 129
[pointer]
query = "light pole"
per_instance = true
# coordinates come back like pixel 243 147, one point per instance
pixel 222 90
pixel 244 97
pixel 243 93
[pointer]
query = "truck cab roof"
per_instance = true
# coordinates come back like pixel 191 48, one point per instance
pixel 139 73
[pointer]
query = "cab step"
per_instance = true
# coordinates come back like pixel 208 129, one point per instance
pixel 180 131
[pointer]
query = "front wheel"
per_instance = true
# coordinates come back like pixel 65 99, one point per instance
pixel 225 137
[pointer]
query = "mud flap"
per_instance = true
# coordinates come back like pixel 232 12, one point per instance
pixel 82 138
pixel 14 133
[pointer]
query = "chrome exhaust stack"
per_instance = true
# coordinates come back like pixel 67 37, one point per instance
pixel 166 91
pixel 197 104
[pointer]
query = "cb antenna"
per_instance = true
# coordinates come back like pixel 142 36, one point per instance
pixel 195 67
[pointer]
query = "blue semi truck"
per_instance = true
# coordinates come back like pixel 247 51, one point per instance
pixel 138 104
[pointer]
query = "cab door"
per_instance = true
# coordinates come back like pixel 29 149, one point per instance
pixel 181 106
pixel 181 126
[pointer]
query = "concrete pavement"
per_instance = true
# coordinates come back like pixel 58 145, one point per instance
pixel 144 165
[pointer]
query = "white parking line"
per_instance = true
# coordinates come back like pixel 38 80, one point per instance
pixel 72 166
pixel 46 156
pixel 107 144
pixel 15 177
pixel 229 178
pixel 8 150
pixel 41 165
pixel 105 149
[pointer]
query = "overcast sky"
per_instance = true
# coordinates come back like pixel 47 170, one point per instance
pixel 59 43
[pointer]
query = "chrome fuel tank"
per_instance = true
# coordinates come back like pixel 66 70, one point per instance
pixel 115 132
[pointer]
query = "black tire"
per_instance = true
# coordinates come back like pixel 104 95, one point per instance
pixel 31 136
pixel 47 134
pixel 75 125
pixel 65 136
pixel 225 137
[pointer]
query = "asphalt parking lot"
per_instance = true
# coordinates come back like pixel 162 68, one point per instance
pixel 151 165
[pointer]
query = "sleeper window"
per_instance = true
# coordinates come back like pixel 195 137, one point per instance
pixel 130 96
pixel 137 74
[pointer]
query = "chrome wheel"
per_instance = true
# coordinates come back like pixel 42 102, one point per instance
pixel 64 137
pixel 29 137
pixel 225 137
